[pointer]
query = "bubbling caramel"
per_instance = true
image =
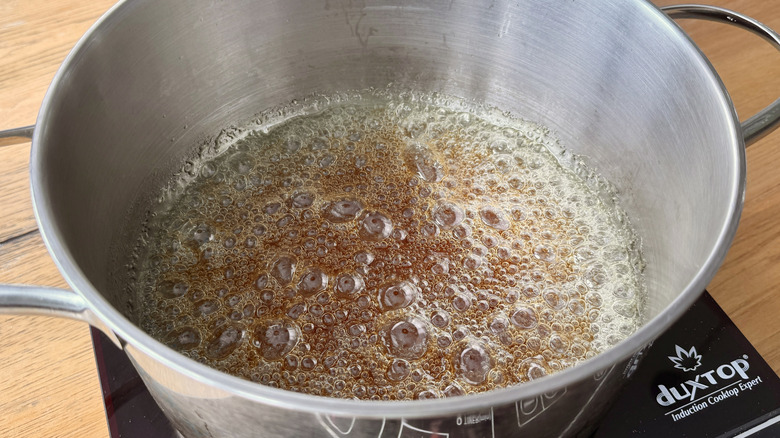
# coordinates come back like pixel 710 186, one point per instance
pixel 389 249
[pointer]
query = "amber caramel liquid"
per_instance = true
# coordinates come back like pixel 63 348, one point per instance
pixel 391 250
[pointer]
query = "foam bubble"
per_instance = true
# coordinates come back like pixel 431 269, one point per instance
pixel 398 296
pixel 524 318
pixel 202 234
pixel 494 218
pixel 407 339
pixel 440 319
pixel 448 215
pixel 375 226
pixel 224 342
pixel 183 338
pixel 349 284
pixel 275 339
pixel 474 362
pixel 426 166
pixel 283 269
pixel 302 200
pixel 461 302
pixel 341 211
pixel 398 370
pixel 312 281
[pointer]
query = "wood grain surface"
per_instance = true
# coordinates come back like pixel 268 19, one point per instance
pixel 48 381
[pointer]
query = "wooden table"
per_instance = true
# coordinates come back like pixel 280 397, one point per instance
pixel 48 381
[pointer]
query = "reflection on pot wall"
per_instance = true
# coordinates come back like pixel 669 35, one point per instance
pixel 563 412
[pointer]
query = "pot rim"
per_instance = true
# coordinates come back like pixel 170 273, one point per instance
pixel 138 339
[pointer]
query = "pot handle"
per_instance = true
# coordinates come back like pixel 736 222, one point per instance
pixel 49 301
pixel 40 300
pixel 768 119
pixel 16 135
pixel 45 301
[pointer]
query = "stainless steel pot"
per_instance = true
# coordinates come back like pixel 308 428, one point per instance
pixel 617 81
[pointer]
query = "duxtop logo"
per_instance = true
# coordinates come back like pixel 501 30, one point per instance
pixel 689 361
pixel 700 391
pixel 686 360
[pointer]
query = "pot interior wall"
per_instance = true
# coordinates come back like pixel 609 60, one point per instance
pixel 617 83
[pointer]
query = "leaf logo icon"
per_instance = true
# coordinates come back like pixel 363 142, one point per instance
pixel 686 360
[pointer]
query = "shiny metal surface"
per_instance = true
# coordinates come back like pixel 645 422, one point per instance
pixel 48 301
pixel 33 300
pixel 16 135
pixel 618 82
pixel 768 118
